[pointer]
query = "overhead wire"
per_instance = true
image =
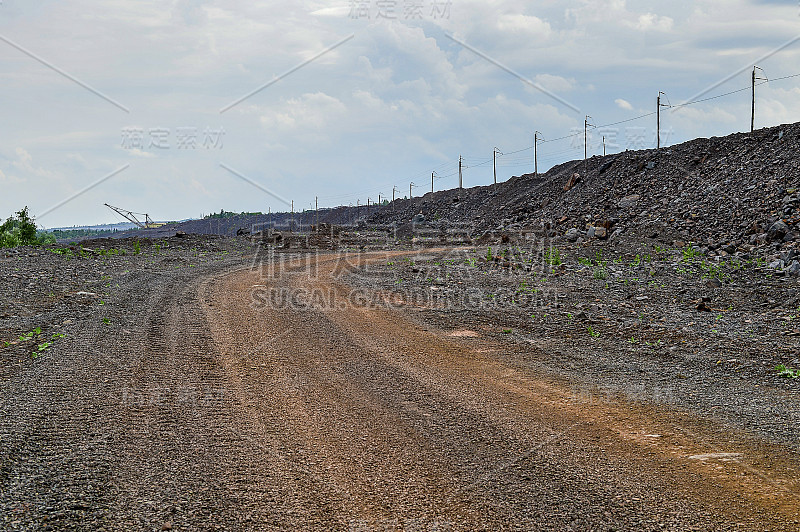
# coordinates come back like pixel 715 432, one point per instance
pixel 450 168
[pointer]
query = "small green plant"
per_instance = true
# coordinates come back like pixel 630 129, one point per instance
pixel 713 271
pixel 29 335
pixel 489 257
pixel 523 287
pixel 633 340
pixel 507 331
pixel 553 257
pixel 690 254
pixel 106 321
pixel 592 332
pixel 584 261
pixel 636 262
pixel 136 247
pixel 784 371
pixel 601 273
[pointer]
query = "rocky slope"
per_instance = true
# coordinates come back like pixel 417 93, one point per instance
pixel 723 188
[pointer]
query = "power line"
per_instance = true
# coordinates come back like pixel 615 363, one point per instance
pixel 451 168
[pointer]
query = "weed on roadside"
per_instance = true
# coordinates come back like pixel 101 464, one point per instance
pixel 790 373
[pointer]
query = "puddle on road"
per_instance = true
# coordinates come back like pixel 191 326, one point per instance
pixel 464 333
pixel 725 457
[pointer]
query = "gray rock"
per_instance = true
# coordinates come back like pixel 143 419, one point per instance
pixel 572 235
pixel 778 230
pixel 794 268
pixel 788 256
pixel 629 201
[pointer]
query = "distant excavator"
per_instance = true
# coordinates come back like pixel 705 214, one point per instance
pixel 131 216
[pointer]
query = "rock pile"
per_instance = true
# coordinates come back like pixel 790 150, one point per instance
pixel 734 195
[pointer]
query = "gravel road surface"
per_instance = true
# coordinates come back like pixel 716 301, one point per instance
pixel 220 397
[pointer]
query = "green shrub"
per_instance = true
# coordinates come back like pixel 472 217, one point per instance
pixel 20 230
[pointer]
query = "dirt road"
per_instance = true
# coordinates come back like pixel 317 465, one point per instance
pixel 218 406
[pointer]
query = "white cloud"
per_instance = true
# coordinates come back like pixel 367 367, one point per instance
pixel 7 179
pixel 136 152
pixel 309 112
pixel 531 26
pixel 555 83
pixel 623 104
pixel 24 165
pixel 652 22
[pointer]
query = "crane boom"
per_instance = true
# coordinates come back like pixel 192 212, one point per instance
pixel 131 216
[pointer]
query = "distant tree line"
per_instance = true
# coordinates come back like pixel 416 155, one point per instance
pixel 222 214
pixel 65 234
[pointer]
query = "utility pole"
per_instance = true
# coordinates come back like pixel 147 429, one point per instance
pixel 494 162
pixel 659 105
pixel 604 145
pixel 535 154
pixel 753 109
pixel 410 186
pixel 460 175
pixel 586 141
pixel 368 200
pixel 394 189
pixel 291 220
pixel 432 173
pixel 316 210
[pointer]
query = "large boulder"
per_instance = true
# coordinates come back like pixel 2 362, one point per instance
pixel 778 230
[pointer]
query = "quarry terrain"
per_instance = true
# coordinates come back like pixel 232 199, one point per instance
pixel 612 346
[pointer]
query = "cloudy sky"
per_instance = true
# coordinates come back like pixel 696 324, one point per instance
pixel 157 103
